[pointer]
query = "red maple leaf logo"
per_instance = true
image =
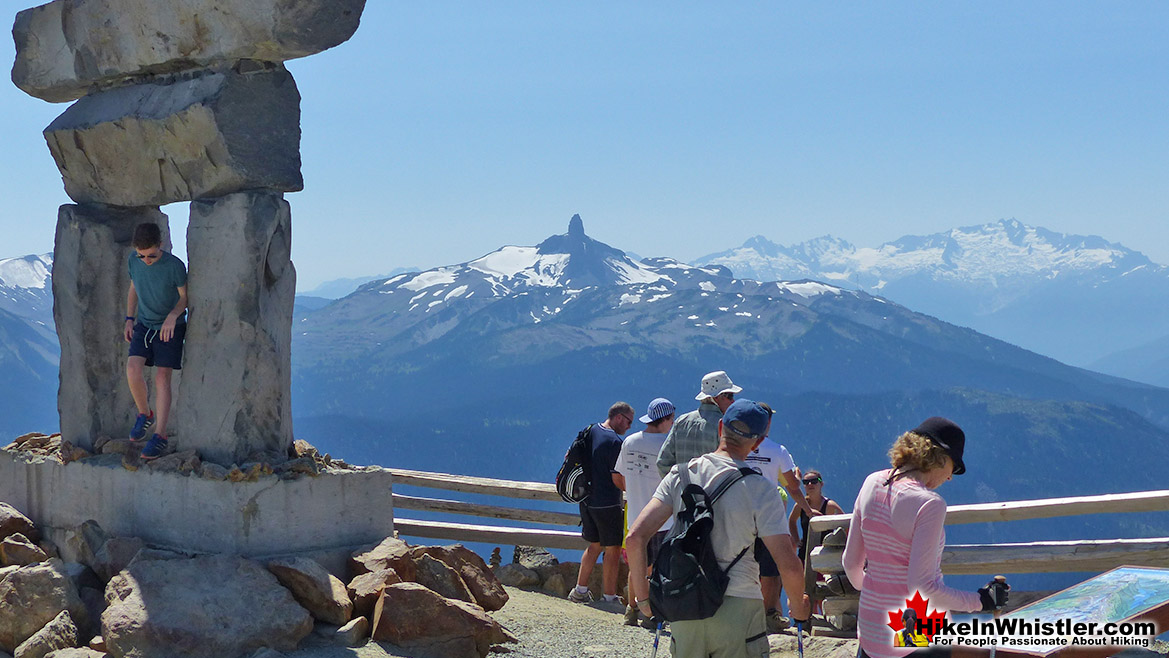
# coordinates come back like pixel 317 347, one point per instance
pixel 928 624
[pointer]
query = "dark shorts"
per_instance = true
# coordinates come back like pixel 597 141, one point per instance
pixel 147 343
pixel 767 567
pixel 602 525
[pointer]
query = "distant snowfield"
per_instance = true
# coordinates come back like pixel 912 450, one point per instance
pixel 26 272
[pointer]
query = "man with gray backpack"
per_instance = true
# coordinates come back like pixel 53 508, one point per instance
pixel 706 580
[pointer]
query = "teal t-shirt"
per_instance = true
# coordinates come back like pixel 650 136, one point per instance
pixel 157 286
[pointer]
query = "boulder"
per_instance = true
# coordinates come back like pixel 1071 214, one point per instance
pixel 90 276
pixel 212 472
pixel 49 548
pixel 517 575
pixel 71 453
pixel 321 593
pixel 60 633
pixel 17 550
pixel 235 397
pixel 77 653
pixel 13 522
pixel 391 553
pixel 115 553
pixel 353 634
pixel 533 557
pixel 64 48
pixel 438 576
pixel 185 462
pixel 242 608
pixel 31 597
pixel 172 140
pixel 486 589
pixel 365 589
pixel 84 541
pixel 430 626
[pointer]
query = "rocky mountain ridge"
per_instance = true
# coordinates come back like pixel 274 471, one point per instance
pixel 1075 298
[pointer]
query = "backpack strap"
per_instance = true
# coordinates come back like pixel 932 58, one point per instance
pixel 731 479
pixel 722 488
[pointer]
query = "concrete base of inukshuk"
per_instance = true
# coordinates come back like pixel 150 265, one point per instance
pixel 189 565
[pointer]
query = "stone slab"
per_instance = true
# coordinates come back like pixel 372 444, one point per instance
pixel 267 517
pixel 67 47
pixel 182 138
pixel 235 398
pixel 90 283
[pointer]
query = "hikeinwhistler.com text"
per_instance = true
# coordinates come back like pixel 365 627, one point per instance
pixel 1014 632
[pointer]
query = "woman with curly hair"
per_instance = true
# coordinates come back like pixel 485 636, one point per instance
pixel 895 540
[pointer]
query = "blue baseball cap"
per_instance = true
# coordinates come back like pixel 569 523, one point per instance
pixel 658 409
pixel 747 418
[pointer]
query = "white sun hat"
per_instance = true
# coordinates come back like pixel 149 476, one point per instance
pixel 716 383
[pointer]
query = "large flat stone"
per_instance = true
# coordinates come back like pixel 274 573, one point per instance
pixel 183 138
pixel 235 398
pixel 66 47
pixel 90 282
pixel 338 509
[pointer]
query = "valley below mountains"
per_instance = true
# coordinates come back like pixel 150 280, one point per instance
pixel 489 368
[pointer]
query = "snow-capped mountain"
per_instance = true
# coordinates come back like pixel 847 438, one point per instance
pixel 26 288
pixel 1072 297
pixel 490 366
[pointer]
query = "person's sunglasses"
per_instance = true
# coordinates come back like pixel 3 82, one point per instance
pixel 812 481
pixel 154 256
pixel 729 396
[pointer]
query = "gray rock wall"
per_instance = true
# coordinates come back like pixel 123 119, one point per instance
pixel 67 47
pixel 90 283
pixel 181 138
pixel 235 397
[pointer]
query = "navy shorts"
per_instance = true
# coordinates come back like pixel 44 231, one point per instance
pixel 603 525
pixel 147 343
pixel 767 567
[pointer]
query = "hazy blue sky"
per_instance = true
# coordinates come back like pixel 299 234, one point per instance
pixel 444 130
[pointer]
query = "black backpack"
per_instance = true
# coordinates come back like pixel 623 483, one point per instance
pixel 687 582
pixel 574 481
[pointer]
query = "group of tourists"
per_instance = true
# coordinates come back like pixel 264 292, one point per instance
pixel 893 548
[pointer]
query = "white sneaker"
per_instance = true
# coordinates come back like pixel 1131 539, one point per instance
pixel 576 597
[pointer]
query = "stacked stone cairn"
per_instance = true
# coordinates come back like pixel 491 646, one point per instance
pixel 100 595
pixel 178 101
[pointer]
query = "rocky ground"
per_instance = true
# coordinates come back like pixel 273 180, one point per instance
pixel 551 627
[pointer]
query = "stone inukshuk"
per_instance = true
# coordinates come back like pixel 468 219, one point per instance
pixel 179 101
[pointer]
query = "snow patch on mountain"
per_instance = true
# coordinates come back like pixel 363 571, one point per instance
pixel 28 272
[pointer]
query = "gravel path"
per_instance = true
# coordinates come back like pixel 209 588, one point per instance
pixel 549 627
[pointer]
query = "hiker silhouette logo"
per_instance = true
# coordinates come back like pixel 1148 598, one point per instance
pixel 912 626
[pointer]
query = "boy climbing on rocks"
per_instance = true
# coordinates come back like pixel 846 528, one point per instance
pixel 156 309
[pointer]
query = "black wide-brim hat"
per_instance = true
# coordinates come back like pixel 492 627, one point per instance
pixel 946 434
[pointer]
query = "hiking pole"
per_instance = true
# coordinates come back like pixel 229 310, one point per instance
pixel 999 587
pixel 657 636
pixel 800 637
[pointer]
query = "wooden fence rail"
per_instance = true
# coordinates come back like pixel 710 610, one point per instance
pixel 1021 510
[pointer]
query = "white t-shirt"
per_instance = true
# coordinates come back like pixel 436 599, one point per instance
pixel 638 464
pixel 771 459
pixel 748 509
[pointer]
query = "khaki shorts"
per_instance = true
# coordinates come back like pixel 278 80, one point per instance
pixel 725 635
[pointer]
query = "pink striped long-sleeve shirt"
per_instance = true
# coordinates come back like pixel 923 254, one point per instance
pixel 898 530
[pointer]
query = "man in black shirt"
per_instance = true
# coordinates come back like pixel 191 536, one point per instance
pixel 602 525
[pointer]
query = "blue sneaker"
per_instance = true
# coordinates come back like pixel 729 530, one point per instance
pixel 154 447
pixel 141 424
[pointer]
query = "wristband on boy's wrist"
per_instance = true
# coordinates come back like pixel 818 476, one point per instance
pixel 130 318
